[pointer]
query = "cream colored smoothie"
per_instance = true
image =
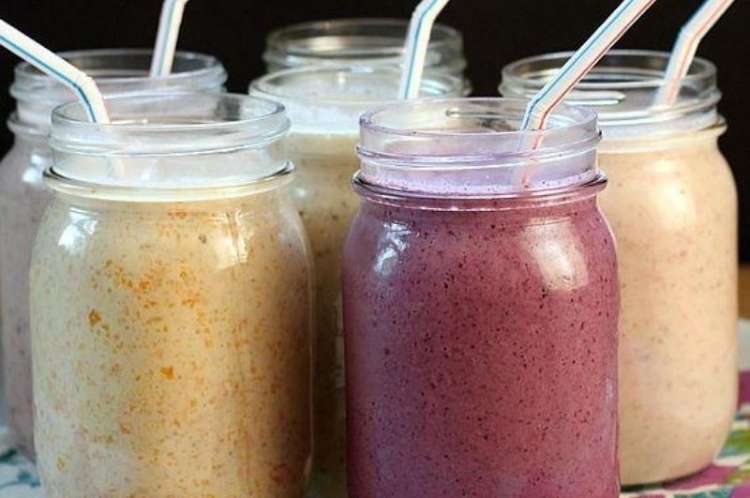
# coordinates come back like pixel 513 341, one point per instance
pixel 324 105
pixel 172 323
pixel 672 205
pixel 23 196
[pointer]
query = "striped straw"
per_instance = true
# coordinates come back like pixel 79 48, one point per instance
pixel 166 39
pixel 417 42
pixel 544 103
pixel 685 48
pixel 56 67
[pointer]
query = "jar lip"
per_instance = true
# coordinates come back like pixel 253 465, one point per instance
pixel 59 182
pixel 282 40
pixel 623 89
pixel 474 148
pixel 271 85
pixel 183 132
pixel 565 119
pixel 701 69
pixel 29 79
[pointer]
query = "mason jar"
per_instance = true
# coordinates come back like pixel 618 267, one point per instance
pixel 480 300
pixel 23 196
pixel 673 208
pixel 171 304
pixel 359 42
pixel 325 104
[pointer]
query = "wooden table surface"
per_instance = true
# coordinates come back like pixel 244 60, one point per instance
pixel 745 291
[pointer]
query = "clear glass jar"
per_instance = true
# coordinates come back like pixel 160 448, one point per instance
pixel 23 196
pixel 480 311
pixel 359 42
pixel 324 105
pixel 171 304
pixel 673 208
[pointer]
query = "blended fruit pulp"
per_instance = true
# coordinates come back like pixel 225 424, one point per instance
pixel 481 352
pixel 172 344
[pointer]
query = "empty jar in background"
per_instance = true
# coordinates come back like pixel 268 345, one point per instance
pixel 480 302
pixel 673 208
pixel 23 196
pixel 325 104
pixel 171 304
pixel 368 42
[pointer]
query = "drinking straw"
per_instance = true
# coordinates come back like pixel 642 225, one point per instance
pixel 166 39
pixel 417 41
pixel 686 46
pixel 617 24
pixel 55 66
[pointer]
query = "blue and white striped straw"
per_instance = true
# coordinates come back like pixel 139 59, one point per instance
pixel 686 47
pixel 544 103
pixel 417 42
pixel 58 68
pixel 166 39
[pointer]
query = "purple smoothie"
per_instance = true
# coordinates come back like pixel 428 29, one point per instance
pixel 495 334
pixel 481 346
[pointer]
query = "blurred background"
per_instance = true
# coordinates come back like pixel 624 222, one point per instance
pixel 495 33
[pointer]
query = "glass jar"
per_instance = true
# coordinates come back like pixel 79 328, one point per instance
pixel 359 42
pixel 480 315
pixel 171 304
pixel 23 196
pixel 324 105
pixel 673 208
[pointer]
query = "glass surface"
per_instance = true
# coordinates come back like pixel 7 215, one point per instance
pixel 172 320
pixel 673 208
pixel 480 312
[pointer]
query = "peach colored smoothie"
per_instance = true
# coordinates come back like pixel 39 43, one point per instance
pixel 23 196
pixel 673 208
pixel 171 318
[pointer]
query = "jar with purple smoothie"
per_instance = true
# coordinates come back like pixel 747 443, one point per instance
pixel 480 310
pixel 23 195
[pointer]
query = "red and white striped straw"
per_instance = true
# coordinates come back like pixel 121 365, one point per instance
pixel 619 22
pixel 686 47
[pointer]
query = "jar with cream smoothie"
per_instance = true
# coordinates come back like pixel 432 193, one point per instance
pixel 171 304
pixel 673 208
pixel 324 105
pixel 23 196
pixel 480 300
pixel 368 42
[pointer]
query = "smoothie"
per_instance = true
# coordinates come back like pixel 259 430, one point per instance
pixel 23 196
pixel 673 208
pixel 481 339
pixel 172 322
pixel 324 105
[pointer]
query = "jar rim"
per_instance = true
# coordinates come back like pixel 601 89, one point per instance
pixel 280 41
pixel 565 119
pixel 622 88
pixel 29 79
pixel 59 182
pixel 474 148
pixel 258 122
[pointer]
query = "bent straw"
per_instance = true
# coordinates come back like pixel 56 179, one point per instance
pixel 58 68
pixel 166 39
pixel 686 47
pixel 617 24
pixel 417 42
